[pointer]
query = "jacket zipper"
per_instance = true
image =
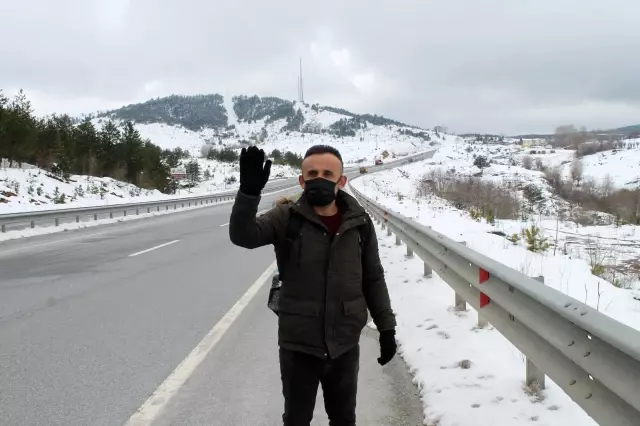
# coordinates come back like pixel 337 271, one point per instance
pixel 332 243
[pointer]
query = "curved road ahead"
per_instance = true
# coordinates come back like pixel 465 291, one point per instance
pixel 93 321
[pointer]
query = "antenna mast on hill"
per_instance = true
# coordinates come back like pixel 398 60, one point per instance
pixel 300 85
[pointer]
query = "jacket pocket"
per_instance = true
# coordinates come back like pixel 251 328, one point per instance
pixel 300 323
pixel 351 321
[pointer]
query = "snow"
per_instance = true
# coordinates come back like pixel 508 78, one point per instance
pixel 622 166
pixel 436 340
pixel 64 227
pixel 569 273
pixel 376 139
pixel 30 189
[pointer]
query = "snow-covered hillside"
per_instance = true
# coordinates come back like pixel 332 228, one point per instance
pixel 207 127
pixel 620 166
pixel 612 252
pixel 368 143
pixel 466 375
pixel 29 188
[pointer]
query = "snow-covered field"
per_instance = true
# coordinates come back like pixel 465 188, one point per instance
pixel 621 166
pixel 467 376
pixel 437 342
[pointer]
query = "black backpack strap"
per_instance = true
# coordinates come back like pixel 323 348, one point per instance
pixel 365 231
pixel 292 231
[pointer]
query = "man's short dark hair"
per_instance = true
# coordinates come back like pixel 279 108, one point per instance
pixel 323 149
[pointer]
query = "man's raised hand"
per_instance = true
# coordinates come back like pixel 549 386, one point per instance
pixel 254 171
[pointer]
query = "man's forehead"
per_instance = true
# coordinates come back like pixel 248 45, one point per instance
pixel 324 161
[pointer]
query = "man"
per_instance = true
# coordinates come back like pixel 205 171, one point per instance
pixel 331 274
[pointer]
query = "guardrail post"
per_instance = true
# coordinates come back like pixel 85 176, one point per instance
pixel 183 205
pixel 4 228
pixel 459 303
pixel 409 252
pixel 137 211
pixel 533 375
pixel 57 221
pixel 33 225
pixel 77 219
pixel 110 215
pixel 428 272
pixel 189 204
pixel 389 231
pixel 125 213
pixel 95 216
pixel 398 240
pixel 148 209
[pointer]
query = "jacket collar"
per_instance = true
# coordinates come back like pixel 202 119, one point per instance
pixel 348 206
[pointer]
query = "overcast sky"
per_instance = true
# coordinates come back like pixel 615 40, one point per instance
pixel 504 66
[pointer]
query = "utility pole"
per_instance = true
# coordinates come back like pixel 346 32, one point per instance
pixel 301 84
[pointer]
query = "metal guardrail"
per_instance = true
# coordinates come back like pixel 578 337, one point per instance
pixel 592 357
pixel 54 216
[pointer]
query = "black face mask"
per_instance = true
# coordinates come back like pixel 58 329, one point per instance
pixel 320 192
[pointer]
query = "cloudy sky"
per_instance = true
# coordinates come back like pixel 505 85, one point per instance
pixel 504 66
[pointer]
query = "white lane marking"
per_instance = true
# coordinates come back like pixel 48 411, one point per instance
pixel 257 214
pixel 153 248
pixel 152 407
pixel 50 242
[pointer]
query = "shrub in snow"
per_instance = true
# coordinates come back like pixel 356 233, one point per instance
pixel 536 241
pixel 59 197
pixel 514 238
pixel 481 162
pixel 539 164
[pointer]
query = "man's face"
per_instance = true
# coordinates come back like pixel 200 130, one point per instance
pixel 326 166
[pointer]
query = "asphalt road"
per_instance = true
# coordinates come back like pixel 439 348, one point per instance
pixel 88 332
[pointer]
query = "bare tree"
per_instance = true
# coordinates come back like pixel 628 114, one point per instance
pixel 607 185
pixel 563 133
pixel 576 170
pixel 527 162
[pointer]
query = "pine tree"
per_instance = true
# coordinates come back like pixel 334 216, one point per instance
pixel 108 145
pixel 193 172
pixel 131 152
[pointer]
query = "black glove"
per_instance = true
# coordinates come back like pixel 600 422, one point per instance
pixel 388 346
pixel 254 172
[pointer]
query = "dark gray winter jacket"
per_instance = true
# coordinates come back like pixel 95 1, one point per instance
pixel 329 283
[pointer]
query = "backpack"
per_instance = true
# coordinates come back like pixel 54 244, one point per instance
pixel 292 231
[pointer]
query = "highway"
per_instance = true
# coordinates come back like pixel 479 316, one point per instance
pixel 92 321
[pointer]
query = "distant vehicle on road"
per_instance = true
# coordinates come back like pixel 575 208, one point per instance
pixel 378 162
pixel 363 170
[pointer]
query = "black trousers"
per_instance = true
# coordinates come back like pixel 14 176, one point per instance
pixel 301 374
